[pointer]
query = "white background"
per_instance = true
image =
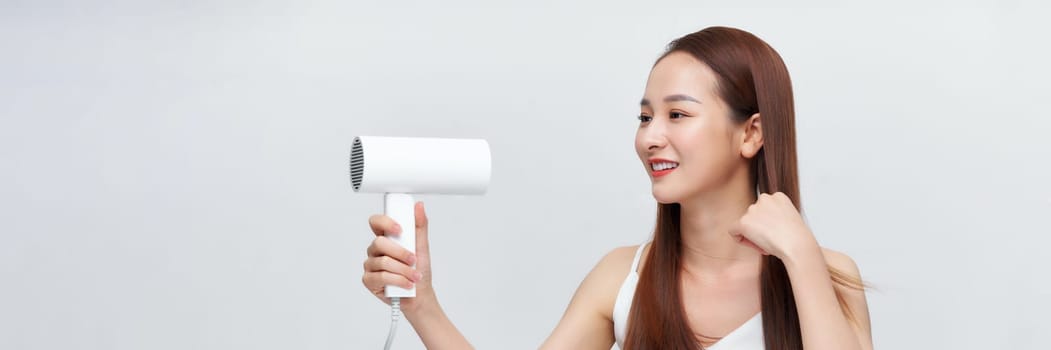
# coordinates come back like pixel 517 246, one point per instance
pixel 174 175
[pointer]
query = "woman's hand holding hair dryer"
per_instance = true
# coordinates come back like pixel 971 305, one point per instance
pixel 389 263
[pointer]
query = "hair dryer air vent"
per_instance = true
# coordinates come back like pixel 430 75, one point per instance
pixel 357 164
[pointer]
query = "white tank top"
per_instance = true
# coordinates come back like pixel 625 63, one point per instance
pixel 748 336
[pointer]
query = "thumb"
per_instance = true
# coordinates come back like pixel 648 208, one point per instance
pixel 422 245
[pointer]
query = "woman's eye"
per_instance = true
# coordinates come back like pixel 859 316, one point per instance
pixel 644 118
pixel 675 115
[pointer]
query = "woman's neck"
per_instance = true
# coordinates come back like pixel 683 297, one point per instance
pixel 706 220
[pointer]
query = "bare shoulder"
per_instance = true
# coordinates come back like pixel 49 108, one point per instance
pixel 618 260
pixel 613 268
pixel 854 302
pixel 603 282
pixel 841 261
pixel 588 320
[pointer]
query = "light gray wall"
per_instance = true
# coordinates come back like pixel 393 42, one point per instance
pixel 175 174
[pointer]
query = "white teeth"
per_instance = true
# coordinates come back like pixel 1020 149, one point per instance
pixel 664 166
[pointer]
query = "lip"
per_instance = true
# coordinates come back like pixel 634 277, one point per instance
pixel 659 173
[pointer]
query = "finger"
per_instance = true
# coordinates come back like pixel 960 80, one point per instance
pixel 382 224
pixel 784 198
pixel 377 280
pixel 389 264
pixel 383 246
pixel 421 216
pixel 749 243
pixel 422 244
pixel 736 230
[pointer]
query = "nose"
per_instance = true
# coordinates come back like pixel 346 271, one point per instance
pixel 653 137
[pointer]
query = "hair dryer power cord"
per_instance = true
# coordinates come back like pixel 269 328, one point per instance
pixel 395 313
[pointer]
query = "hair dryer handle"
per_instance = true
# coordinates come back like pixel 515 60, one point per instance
pixel 402 208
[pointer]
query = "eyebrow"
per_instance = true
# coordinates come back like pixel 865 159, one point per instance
pixel 671 98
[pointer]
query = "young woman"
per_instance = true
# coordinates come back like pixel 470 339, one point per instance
pixel 731 265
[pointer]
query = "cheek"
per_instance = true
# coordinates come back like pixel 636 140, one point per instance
pixel 705 151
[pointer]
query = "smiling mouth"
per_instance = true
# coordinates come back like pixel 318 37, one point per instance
pixel 662 168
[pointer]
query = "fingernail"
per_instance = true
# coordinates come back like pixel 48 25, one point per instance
pixel 397 228
pixel 417 276
pixel 412 259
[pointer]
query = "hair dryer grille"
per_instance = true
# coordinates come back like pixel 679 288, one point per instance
pixel 357 164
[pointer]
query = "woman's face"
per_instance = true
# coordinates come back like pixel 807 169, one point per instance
pixel 684 121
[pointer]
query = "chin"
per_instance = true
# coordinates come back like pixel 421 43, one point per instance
pixel 663 197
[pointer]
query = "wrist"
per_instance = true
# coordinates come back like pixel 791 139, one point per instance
pixel 806 252
pixel 425 308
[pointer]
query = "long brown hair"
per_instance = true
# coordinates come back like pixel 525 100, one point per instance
pixel 752 78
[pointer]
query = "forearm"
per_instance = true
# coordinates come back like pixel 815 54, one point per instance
pixel 435 329
pixel 821 319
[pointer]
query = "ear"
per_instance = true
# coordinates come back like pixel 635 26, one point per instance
pixel 753 136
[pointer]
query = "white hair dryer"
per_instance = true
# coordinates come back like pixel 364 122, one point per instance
pixel 401 166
